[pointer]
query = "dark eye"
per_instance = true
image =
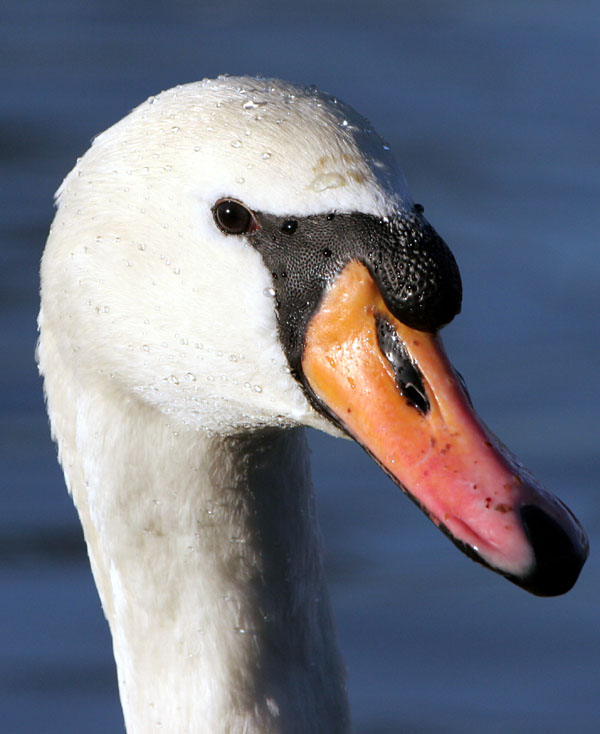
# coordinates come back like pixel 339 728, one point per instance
pixel 233 217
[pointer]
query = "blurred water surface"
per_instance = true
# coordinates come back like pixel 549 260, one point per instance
pixel 493 110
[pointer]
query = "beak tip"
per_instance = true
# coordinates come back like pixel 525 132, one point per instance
pixel 559 553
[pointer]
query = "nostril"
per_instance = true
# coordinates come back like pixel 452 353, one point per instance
pixel 407 374
pixel 558 557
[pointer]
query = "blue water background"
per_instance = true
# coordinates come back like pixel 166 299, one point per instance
pixel 493 109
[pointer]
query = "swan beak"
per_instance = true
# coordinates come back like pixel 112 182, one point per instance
pixel 393 389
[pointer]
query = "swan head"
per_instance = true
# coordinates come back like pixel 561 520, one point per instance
pixel 241 252
pixel 156 295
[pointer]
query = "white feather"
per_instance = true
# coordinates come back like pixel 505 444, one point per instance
pixel 168 390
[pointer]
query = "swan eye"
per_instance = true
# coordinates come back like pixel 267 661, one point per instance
pixel 233 218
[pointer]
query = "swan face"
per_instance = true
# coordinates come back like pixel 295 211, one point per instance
pixel 322 310
pixel 157 297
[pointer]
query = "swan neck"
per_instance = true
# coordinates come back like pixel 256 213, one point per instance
pixel 207 557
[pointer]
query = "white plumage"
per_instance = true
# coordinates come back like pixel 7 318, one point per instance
pixel 158 343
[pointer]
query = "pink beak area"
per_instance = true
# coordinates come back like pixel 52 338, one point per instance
pixel 393 389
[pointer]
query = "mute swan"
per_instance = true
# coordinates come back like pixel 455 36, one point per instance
pixel 233 260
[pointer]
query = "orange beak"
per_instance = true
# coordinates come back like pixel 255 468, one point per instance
pixel 393 389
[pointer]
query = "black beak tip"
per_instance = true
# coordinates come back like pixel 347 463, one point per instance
pixel 559 555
